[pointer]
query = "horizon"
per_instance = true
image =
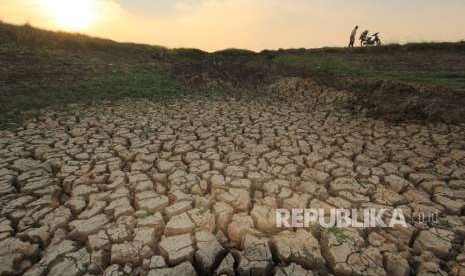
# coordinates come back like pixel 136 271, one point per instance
pixel 212 25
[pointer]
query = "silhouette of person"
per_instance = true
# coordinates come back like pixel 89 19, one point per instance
pixel 364 38
pixel 352 37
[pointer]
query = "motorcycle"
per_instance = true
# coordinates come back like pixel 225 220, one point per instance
pixel 366 40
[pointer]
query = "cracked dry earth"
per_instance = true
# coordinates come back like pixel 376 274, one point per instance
pixel 190 188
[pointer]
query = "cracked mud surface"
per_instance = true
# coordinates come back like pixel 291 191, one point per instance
pixel 190 188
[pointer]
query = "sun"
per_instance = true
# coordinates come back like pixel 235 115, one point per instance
pixel 72 15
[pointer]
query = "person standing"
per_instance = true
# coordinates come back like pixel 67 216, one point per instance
pixel 352 37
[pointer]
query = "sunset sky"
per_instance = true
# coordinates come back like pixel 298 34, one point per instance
pixel 251 24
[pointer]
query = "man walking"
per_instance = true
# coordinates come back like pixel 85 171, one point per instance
pixel 352 37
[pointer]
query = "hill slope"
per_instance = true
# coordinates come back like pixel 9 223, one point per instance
pixel 41 69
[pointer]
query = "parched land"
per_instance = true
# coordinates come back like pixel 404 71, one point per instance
pixel 119 159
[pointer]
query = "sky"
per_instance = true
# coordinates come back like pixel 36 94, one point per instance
pixel 247 24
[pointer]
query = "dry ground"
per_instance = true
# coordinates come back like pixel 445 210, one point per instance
pixel 122 159
pixel 191 187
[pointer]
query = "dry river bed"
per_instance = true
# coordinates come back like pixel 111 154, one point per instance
pixel 191 188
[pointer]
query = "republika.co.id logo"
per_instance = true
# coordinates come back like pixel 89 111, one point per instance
pixel 340 218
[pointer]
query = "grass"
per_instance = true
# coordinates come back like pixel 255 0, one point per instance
pixel 345 65
pixel 393 47
pixel 233 52
pixel 43 69
pixel 29 36
pixel 146 82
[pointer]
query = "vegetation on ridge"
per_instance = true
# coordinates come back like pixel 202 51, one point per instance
pixel 41 69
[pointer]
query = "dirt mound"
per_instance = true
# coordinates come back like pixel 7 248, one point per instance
pixel 306 91
pixel 256 76
pixel 398 101
pixel 390 100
